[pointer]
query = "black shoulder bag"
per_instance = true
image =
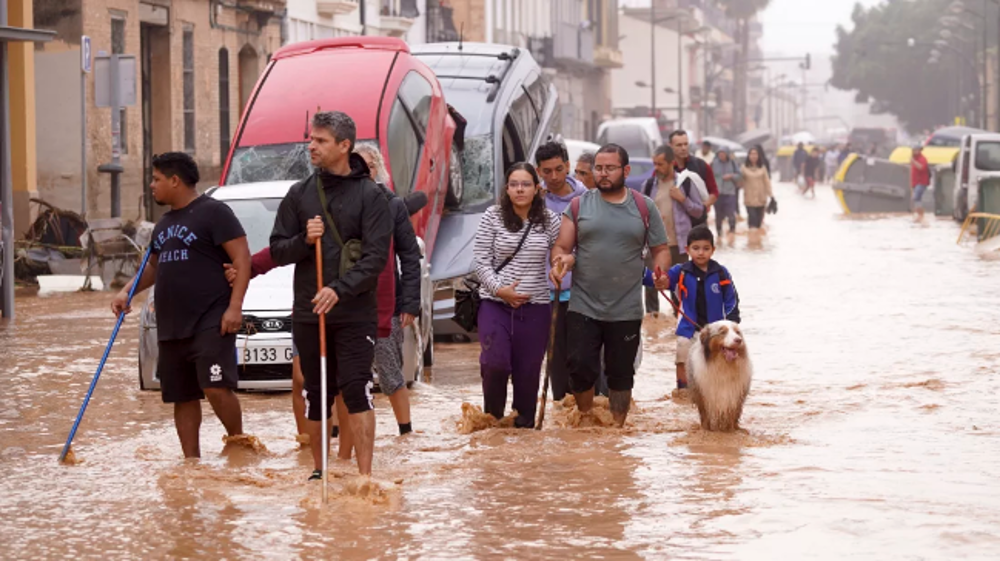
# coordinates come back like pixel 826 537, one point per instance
pixel 467 300
pixel 350 252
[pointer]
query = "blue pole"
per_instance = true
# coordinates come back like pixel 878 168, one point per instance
pixel 107 351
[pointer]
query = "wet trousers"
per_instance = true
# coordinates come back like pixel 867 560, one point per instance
pixel 559 369
pixel 725 210
pixel 513 343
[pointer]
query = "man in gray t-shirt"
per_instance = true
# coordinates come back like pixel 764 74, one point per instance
pixel 605 307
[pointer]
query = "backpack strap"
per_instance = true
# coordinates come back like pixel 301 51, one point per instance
pixel 647 186
pixel 640 203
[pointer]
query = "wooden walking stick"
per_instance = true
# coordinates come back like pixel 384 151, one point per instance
pixel 548 357
pixel 324 411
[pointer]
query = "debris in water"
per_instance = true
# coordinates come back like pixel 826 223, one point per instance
pixel 932 384
pixel 247 441
pixel 71 459
pixel 681 396
pixel 364 487
pixel 856 387
pixel 740 438
pixel 473 419
pixel 598 416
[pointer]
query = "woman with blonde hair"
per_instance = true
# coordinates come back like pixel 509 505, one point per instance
pixel 405 306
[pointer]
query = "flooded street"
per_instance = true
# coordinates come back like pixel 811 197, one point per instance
pixel 872 432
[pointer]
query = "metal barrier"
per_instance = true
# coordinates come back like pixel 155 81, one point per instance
pixel 987 226
pixel 944 190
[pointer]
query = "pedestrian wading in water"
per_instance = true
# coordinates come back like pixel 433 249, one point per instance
pixel 609 228
pixel 401 309
pixel 560 189
pixel 511 249
pixel 756 191
pixel 342 209
pixel 197 312
pixel 706 292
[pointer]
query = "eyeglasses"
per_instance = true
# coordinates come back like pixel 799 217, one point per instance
pixel 606 170
pixel 521 184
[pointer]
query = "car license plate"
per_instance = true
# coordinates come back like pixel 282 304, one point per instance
pixel 264 354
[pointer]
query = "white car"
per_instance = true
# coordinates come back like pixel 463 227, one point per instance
pixel 264 344
pixel 639 136
pixel 979 159
pixel 576 148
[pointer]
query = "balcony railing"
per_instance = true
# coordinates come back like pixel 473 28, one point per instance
pixel 336 7
pixel 397 16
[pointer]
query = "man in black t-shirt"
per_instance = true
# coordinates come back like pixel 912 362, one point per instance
pixel 197 312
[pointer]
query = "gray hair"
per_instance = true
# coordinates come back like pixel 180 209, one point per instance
pixel 371 152
pixel 339 124
pixel 587 158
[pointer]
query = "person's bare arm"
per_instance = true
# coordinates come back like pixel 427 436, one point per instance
pixel 239 252
pixel 120 303
pixel 661 260
pixel 562 252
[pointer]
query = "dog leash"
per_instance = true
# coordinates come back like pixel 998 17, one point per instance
pixel 698 326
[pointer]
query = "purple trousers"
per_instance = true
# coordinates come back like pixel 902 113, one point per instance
pixel 513 343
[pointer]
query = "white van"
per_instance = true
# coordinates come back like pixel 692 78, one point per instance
pixel 978 159
pixel 639 136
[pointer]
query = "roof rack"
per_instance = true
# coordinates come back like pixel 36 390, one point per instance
pixel 507 56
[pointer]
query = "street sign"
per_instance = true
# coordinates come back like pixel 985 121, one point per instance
pixel 86 58
pixel 126 81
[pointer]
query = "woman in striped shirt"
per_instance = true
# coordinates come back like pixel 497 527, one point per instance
pixel 511 250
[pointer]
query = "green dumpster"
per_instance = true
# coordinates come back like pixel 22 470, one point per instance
pixel 944 190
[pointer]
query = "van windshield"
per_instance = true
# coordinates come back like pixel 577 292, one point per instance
pixel 272 162
pixel 988 156
pixel 477 174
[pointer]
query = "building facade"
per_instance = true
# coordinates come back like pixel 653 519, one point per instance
pixel 196 64
pixel 324 19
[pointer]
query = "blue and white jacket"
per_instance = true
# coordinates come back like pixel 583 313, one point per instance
pixel 721 299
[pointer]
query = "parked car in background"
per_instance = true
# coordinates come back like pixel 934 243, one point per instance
pixel 642 169
pixel 979 159
pixel 577 147
pixel 396 103
pixel 264 343
pixel 639 136
pixel 951 136
pixel 509 108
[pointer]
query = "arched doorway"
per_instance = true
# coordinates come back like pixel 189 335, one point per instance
pixel 249 70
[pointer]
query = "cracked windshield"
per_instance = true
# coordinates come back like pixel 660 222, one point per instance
pixel 620 279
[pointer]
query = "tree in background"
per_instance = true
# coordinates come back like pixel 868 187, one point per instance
pixel 876 59
pixel 742 11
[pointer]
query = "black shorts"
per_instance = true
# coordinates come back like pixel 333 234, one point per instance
pixel 350 352
pixel 620 341
pixel 187 366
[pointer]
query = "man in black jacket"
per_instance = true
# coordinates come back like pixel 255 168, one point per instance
pixel 359 211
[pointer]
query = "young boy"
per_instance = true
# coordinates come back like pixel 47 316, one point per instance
pixel 706 292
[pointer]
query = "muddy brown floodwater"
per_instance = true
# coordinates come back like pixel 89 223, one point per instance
pixel 873 432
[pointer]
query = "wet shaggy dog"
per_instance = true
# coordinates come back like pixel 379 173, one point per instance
pixel 719 371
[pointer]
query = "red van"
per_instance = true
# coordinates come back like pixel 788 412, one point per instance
pixel 395 100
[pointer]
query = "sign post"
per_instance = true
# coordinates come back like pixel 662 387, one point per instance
pixel 115 87
pixel 86 65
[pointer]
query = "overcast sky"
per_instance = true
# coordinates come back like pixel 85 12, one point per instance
pixel 795 27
